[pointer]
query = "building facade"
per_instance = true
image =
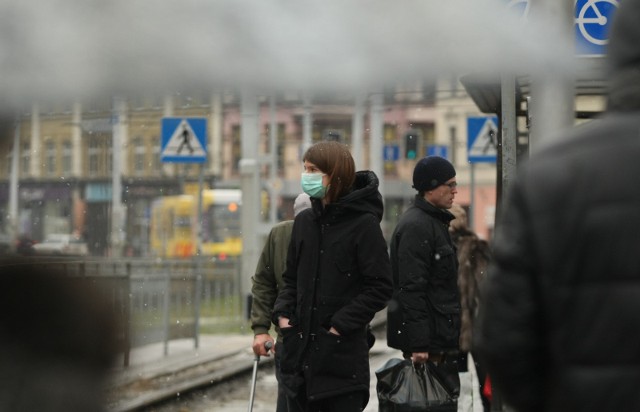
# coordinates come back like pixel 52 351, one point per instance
pixel 66 156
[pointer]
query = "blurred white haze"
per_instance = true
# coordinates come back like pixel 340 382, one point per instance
pixel 68 49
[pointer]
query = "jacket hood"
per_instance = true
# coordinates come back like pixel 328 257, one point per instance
pixel 363 198
pixel 624 58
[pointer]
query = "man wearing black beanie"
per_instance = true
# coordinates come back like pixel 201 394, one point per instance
pixel 561 302
pixel 423 317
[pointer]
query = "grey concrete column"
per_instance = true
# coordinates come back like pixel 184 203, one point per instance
pixel 249 173
pixel 76 139
pixel 552 86
pixel 376 137
pixel 36 142
pixel 357 130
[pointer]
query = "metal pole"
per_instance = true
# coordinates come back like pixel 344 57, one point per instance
pixel 508 138
pixel 376 137
pixel 215 154
pixel 273 157
pixel 472 202
pixel 13 185
pixel 198 288
pixel 117 213
pixel 552 87
pixel 307 123
pixel 250 212
pixel 357 130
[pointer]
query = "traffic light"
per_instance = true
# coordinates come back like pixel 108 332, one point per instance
pixel 411 145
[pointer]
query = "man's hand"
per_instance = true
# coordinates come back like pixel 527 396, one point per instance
pixel 419 357
pixel 334 331
pixel 258 344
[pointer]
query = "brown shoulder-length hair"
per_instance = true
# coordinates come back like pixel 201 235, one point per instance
pixel 335 160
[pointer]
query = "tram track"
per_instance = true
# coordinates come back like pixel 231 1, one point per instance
pixel 137 391
pixel 145 390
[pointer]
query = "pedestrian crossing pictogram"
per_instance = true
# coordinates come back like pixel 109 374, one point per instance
pixel 482 142
pixel 184 140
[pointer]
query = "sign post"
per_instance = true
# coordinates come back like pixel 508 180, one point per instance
pixel 184 140
pixel 482 146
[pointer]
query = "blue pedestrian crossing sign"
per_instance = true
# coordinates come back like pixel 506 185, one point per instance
pixel 482 139
pixel 391 153
pixel 184 140
pixel 592 23
pixel 438 150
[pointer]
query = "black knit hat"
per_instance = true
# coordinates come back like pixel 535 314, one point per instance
pixel 432 171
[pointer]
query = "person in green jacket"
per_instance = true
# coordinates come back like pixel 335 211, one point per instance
pixel 267 281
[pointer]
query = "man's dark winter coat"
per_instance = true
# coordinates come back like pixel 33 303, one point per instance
pixel 338 275
pixel 424 314
pixel 561 311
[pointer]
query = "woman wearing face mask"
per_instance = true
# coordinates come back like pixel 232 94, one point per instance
pixel 338 276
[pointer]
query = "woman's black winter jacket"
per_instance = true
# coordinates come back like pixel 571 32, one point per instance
pixel 338 274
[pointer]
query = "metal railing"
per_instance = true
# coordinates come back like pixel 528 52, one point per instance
pixel 157 300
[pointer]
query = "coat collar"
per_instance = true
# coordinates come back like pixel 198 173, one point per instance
pixel 441 214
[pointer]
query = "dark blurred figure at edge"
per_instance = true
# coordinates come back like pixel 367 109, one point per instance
pixel 266 282
pixel 56 340
pixel 561 310
pixel 474 256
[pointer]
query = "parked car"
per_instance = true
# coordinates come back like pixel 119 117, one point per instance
pixel 61 244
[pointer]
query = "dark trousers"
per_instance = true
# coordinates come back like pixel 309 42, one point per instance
pixel 281 404
pixel 348 402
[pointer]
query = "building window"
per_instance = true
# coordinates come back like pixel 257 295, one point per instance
pixel 391 140
pixel 67 157
pixel 109 154
pixel 50 157
pixel 155 159
pixel 94 153
pixel 236 149
pixel 25 162
pixel 280 145
pixel 138 156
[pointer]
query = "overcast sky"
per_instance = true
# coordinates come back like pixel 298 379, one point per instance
pixel 61 49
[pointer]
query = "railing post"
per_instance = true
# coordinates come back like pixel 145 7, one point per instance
pixel 196 304
pixel 165 310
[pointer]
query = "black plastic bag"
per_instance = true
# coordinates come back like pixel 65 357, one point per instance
pixel 405 387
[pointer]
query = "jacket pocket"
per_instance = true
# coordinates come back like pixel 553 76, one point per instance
pixel 291 343
pixel 341 356
pixel 445 263
pixel 446 324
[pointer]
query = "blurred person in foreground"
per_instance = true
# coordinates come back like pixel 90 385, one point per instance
pixel 423 318
pixel 561 310
pixel 57 339
pixel 267 281
pixel 474 256
pixel 337 277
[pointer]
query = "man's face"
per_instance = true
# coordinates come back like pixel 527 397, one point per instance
pixel 443 195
